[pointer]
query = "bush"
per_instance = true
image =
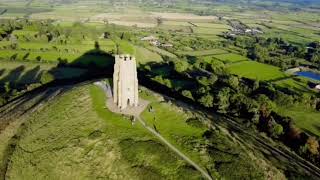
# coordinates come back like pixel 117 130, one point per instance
pixel 276 130
pixel 187 94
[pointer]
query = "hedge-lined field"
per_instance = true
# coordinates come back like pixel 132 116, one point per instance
pixel 256 70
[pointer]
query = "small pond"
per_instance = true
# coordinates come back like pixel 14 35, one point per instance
pixel 309 74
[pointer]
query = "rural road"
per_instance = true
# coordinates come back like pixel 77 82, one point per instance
pixel 202 171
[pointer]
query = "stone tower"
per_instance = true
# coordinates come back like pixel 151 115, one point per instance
pixel 125 81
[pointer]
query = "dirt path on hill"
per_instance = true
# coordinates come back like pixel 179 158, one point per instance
pixel 177 151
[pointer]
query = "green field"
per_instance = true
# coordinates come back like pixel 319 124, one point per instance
pixel 144 55
pixel 31 72
pixel 202 52
pixel 22 73
pixel 161 51
pixel 230 58
pixel 256 70
pixel 297 84
pixel 305 118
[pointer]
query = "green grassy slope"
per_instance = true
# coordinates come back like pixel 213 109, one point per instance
pixel 305 118
pixel 76 137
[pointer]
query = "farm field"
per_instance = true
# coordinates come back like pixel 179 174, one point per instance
pixel 297 84
pixel 144 55
pixel 230 58
pixel 161 51
pixel 202 52
pixel 256 70
pixel 24 73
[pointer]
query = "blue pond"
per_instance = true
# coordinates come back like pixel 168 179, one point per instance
pixel 309 74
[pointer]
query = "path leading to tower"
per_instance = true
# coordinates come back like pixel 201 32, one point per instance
pixel 177 151
pixel 136 111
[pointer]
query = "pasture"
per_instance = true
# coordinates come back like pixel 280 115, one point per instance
pixel 256 70
pixel 230 58
pixel 297 84
pixel 202 52
pixel 22 73
pixel 25 73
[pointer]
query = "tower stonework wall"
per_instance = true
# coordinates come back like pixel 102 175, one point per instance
pixel 125 81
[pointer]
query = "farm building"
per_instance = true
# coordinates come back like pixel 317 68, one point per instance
pixel 152 40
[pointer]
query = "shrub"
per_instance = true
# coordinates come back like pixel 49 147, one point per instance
pixel 187 94
pixel 276 130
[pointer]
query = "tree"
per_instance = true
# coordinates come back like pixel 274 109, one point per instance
pixel 223 100
pixel 313 145
pixel 181 66
pixel 266 105
pixel 217 67
pixel 203 81
pixel 258 53
pixel 276 130
pixel 14 56
pixel 212 79
pixel 206 100
pixel 187 94
pixel 96 45
pixel 38 58
pixel 233 81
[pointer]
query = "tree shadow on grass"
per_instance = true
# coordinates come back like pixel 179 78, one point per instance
pixel 2 71
pixel 13 75
pixel 30 76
